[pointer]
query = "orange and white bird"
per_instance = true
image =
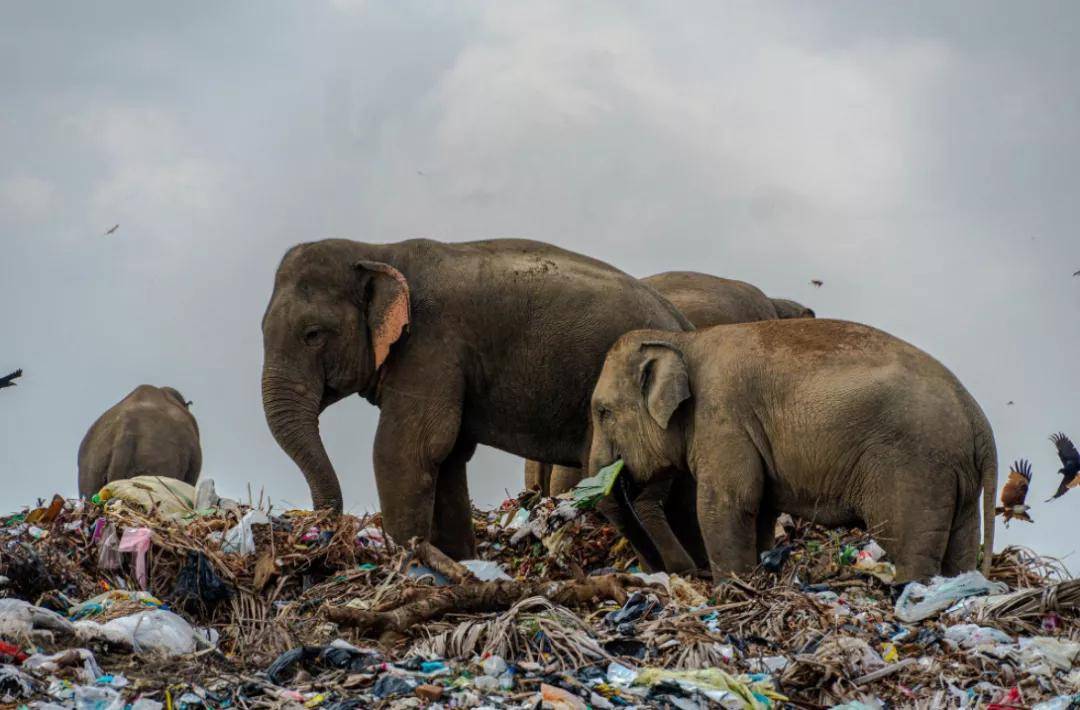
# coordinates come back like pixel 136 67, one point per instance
pixel 1014 492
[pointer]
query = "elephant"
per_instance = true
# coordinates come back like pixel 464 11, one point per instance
pixel 706 301
pixel 832 421
pixel 151 431
pixel 457 344
pixel 791 309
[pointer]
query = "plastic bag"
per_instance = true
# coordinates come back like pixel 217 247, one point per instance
pixel 137 542
pixel 49 664
pixel 592 489
pixel 240 539
pixel 1043 655
pixel 14 684
pixel 108 552
pixel 94 698
pixel 171 497
pixel 198 583
pixel 919 602
pixel 485 570
pixel 974 636
pixel 155 632
pixel 19 618
pixel 1061 702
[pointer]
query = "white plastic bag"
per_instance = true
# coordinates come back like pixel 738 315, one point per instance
pixel 975 636
pixel 19 618
pixel 919 602
pixel 240 538
pixel 485 570
pixel 154 632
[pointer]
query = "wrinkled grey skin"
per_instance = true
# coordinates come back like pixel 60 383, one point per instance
pixel 791 309
pixel 149 432
pixel 831 421
pixel 705 300
pixel 458 345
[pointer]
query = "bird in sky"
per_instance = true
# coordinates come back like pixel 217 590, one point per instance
pixel 1070 464
pixel 1076 273
pixel 111 229
pixel 1009 403
pixel 1014 492
pixel 817 282
pixel 9 380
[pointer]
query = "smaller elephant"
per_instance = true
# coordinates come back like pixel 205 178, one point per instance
pixel 149 432
pixel 786 308
pixel 832 421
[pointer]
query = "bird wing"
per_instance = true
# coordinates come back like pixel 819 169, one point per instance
pixel 1014 492
pixel 6 380
pixel 1068 482
pixel 1070 457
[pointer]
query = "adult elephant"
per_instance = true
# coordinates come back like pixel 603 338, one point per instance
pixel 705 300
pixel 151 431
pixel 458 345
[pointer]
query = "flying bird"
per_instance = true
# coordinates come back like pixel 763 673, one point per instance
pixel 1070 464
pixel 817 282
pixel 1009 403
pixel 9 380
pixel 111 229
pixel 1076 273
pixel 1014 492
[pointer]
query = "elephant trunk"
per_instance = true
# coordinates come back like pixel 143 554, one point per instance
pixel 292 411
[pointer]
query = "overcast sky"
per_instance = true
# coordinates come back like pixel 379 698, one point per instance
pixel 921 159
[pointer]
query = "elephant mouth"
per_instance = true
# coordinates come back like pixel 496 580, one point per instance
pixel 329 396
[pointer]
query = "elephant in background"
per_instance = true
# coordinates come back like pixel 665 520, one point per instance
pixel 831 421
pixel 151 431
pixel 705 301
pixel 786 308
pixel 457 344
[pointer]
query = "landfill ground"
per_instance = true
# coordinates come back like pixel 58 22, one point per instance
pixel 233 606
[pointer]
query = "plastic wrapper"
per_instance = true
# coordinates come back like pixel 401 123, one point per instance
pixel 919 602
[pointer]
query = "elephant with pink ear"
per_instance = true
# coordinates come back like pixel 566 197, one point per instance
pixel 458 344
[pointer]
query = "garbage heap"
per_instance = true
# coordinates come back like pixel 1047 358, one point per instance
pixel 148 602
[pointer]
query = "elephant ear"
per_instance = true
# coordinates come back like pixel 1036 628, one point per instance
pixel 387 307
pixel 665 383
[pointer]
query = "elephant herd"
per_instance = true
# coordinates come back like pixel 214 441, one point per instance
pixel 727 407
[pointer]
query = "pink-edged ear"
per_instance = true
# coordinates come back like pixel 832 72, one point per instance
pixel 388 308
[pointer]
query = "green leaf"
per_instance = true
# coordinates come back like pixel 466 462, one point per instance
pixel 592 489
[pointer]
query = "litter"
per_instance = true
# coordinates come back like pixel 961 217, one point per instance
pixel 590 490
pixel 918 602
pixel 168 496
pixel 241 539
pixel 485 570
pixel 137 542
pixel 154 632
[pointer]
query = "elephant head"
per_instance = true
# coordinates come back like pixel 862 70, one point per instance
pixel 327 333
pixel 634 408
pixel 174 394
pixel 791 309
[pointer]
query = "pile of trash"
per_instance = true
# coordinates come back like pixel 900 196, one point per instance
pixel 252 607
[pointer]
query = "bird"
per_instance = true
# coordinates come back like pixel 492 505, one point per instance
pixel 111 229
pixel 8 380
pixel 1009 403
pixel 817 282
pixel 1014 492
pixel 1070 464
pixel 1076 273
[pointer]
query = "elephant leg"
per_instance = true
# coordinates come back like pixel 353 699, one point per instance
pixel 563 478
pixel 681 509
pixel 538 475
pixel 913 523
pixel 649 506
pixel 453 532
pixel 414 437
pixel 727 505
pixel 624 522
pixel 962 552
pixel 766 528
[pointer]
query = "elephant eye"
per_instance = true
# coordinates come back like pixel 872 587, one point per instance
pixel 602 413
pixel 314 336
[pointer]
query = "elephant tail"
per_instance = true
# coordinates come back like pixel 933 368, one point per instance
pixel 988 459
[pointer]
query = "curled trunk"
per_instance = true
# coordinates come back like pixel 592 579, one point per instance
pixel 292 411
